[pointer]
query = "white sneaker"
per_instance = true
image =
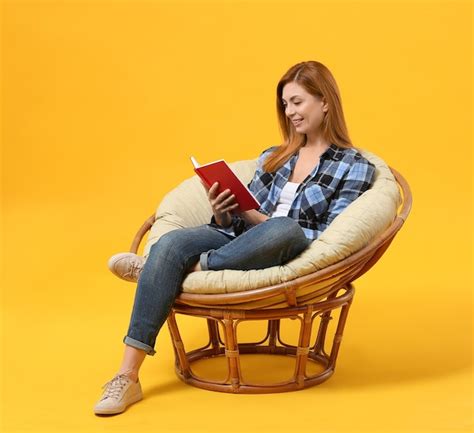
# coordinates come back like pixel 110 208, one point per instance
pixel 127 266
pixel 120 392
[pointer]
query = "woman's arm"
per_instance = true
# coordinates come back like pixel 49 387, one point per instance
pixel 254 216
pixel 359 179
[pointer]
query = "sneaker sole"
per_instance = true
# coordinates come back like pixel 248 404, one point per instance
pixel 111 411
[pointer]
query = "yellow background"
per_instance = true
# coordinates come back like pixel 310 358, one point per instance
pixel 103 102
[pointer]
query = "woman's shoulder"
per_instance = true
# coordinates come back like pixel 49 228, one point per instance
pixel 269 150
pixel 265 153
pixel 353 155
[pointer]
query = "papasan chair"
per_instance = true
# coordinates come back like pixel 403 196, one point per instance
pixel 310 288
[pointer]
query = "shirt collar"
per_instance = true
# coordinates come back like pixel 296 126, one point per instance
pixel 333 152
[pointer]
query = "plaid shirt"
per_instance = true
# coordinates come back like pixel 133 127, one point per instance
pixel 341 176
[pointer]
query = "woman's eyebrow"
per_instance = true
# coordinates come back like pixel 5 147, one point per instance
pixel 293 97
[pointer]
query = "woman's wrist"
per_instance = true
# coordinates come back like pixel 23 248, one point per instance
pixel 224 223
pixel 253 216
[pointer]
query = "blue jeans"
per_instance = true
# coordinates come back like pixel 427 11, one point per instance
pixel 272 242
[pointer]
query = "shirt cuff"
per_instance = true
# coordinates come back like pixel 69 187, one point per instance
pixel 229 230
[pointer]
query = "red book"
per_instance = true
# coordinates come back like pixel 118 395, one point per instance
pixel 219 171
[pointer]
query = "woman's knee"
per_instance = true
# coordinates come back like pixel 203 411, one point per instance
pixel 286 226
pixel 291 233
pixel 181 240
pixel 168 241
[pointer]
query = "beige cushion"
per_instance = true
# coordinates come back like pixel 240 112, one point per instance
pixel 365 218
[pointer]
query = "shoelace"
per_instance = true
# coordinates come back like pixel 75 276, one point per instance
pixel 114 386
pixel 135 269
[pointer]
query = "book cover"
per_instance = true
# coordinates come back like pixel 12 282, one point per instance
pixel 219 171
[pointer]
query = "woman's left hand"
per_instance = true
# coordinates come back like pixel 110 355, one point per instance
pixel 223 205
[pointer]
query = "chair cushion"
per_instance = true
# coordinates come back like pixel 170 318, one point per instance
pixel 364 219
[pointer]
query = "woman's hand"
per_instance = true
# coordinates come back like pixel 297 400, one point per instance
pixel 222 204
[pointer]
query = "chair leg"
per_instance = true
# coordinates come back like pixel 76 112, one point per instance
pixel 338 336
pixel 181 359
pixel 302 350
pixel 213 328
pixel 318 347
pixel 273 331
pixel 232 353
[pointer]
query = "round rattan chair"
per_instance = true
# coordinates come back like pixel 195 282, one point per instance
pixel 308 298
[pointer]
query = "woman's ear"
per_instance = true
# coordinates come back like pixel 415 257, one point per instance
pixel 325 105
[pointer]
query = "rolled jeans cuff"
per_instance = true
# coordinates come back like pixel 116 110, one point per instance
pixel 139 345
pixel 203 260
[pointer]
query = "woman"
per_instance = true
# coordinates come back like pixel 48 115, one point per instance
pixel 302 186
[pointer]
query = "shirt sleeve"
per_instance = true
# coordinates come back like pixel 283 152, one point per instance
pixel 256 183
pixel 358 179
pixel 229 229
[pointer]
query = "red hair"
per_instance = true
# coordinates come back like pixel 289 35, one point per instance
pixel 317 80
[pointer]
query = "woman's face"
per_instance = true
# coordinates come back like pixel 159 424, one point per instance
pixel 304 110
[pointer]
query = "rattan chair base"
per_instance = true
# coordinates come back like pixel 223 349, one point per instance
pixel 272 343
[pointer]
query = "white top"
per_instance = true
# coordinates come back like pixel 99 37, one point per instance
pixel 286 199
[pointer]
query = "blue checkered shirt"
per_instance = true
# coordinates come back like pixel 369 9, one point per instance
pixel 341 176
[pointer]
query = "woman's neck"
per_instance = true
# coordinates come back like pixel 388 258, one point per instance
pixel 318 148
pixel 316 144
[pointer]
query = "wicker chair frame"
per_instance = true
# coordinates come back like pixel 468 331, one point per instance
pixel 295 299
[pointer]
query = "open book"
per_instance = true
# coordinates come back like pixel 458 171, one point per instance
pixel 219 171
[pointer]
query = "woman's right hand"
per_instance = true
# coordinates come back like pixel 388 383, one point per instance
pixel 222 204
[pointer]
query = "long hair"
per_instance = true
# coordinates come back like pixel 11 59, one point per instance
pixel 317 80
